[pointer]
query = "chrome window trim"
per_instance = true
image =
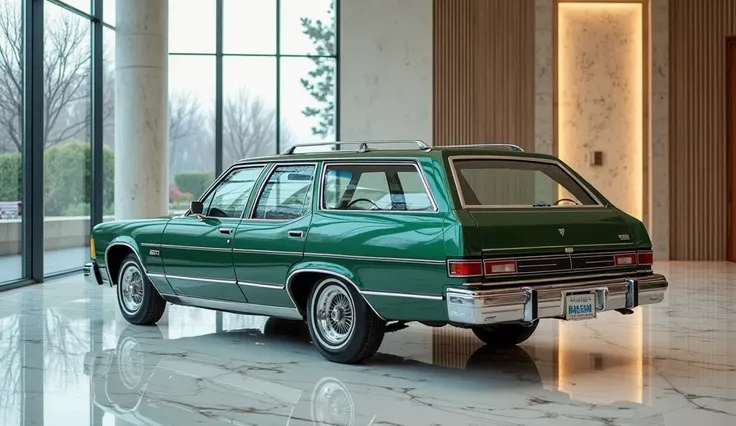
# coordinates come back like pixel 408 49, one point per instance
pixel 217 182
pixel 271 170
pixel 451 159
pixel 381 162
pixel 375 258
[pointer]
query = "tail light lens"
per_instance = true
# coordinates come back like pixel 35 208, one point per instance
pixel 465 268
pixel 497 267
pixel 646 258
pixel 625 259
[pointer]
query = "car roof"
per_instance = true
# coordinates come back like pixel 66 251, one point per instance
pixel 384 150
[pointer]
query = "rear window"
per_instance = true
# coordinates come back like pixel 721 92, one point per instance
pixel 514 183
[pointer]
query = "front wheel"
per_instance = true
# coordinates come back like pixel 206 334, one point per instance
pixel 341 324
pixel 505 335
pixel 138 299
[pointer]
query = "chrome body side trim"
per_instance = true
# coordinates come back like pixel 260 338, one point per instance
pixel 404 295
pixel 262 285
pixel 204 280
pixel 236 307
pixel 196 248
pixel 273 252
pixel 527 304
pixel 559 164
pixel 291 276
pixel 376 259
pixel 414 163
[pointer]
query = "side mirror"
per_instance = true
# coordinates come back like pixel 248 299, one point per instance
pixel 196 207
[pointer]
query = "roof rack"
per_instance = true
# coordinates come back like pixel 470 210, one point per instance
pixel 363 145
pixel 500 146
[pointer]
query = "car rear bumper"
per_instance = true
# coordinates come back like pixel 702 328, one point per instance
pixel 92 273
pixel 527 304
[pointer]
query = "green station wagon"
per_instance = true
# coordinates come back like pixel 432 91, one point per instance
pixel 364 237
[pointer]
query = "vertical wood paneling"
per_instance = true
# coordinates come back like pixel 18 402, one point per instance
pixel 698 166
pixel 484 72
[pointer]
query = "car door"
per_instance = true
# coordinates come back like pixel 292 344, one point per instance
pixel 271 237
pixel 197 249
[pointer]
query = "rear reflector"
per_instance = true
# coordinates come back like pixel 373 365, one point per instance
pixel 646 258
pixel 500 267
pixel 465 268
pixel 625 259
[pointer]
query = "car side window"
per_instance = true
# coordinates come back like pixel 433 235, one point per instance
pixel 375 187
pixel 287 193
pixel 228 200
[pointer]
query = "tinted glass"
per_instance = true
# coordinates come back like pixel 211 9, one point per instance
pixel 380 187
pixel 287 194
pixel 231 196
pixel 518 183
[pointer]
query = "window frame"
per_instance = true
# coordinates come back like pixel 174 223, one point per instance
pixel 216 184
pixel 413 163
pixel 566 170
pixel 264 181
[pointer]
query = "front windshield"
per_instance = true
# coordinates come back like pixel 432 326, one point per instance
pixel 507 183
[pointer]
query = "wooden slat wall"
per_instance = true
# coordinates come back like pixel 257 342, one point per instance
pixel 698 173
pixel 484 72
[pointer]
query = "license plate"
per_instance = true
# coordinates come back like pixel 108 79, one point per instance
pixel 579 306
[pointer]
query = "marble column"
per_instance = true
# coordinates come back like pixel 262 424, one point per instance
pixel 141 110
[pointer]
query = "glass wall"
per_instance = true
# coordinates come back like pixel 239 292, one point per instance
pixel 250 79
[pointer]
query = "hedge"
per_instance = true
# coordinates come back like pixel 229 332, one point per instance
pixel 194 183
pixel 67 178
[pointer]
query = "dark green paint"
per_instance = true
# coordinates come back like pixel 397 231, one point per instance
pixel 376 251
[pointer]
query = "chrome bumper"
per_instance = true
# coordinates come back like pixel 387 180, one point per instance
pixel 527 304
pixel 92 273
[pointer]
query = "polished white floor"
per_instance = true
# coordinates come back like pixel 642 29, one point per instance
pixel 68 358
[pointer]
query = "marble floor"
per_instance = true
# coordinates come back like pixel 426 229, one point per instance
pixel 68 358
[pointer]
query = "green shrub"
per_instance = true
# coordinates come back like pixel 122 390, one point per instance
pixel 67 178
pixel 11 177
pixel 194 183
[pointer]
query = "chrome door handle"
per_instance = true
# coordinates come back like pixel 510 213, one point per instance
pixel 226 231
pixel 296 234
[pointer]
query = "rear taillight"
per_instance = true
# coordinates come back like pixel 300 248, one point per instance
pixel 498 267
pixel 625 259
pixel 646 258
pixel 465 268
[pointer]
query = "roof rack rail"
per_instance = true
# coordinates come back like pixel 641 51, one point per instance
pixel 363 145
pixel 502 146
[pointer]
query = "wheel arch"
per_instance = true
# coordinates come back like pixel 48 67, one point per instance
pixel 116 251
pixel 302 278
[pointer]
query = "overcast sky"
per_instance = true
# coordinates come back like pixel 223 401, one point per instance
pixel 249 28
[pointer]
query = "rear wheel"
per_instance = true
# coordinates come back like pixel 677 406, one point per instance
pixel 341 324
pixel 505 335
pixel 138 299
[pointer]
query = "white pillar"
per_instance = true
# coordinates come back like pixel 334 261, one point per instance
pixel 141 109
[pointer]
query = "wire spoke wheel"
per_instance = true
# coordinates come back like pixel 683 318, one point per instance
pixel 335 315
pixel 131 289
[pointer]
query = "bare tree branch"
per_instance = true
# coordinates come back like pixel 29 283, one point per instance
pixel 249 127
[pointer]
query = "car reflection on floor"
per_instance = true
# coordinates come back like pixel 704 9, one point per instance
pixel 142 384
